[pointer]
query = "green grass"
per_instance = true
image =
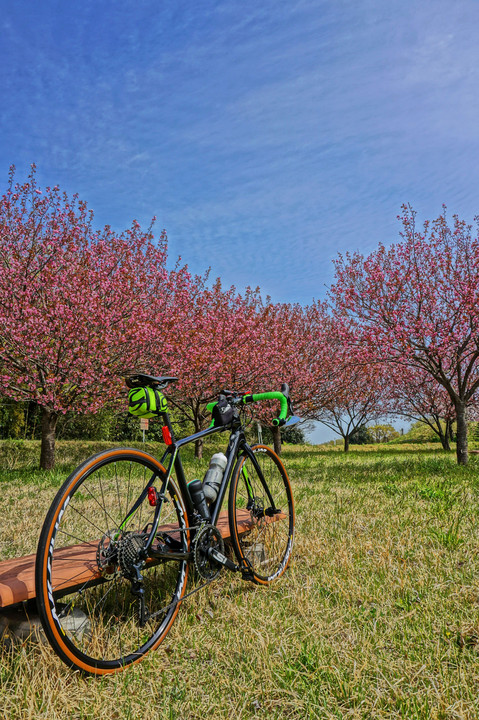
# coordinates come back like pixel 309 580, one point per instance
pixel 377 617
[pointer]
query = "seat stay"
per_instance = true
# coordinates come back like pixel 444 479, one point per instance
pixel 140 499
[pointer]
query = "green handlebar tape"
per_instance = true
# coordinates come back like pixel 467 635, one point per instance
pixel 276 395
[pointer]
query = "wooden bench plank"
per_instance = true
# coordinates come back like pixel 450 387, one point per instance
pixel 17 575
pixel 17 580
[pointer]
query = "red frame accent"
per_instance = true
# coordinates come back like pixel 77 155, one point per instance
pixel 166 435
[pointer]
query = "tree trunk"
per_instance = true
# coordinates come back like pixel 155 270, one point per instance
pixel 47 453
pixel 461 434
pixel 199 448
pixel 445 443
pixel 443 436
pixel 197 419
pixel 346 443
pixel 277 439
pixel 449 432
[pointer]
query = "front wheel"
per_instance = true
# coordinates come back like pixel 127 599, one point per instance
pixel 102 604
pixel 261 514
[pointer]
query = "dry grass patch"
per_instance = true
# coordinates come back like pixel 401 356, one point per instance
pixel 377 617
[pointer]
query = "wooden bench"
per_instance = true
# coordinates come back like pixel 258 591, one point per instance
pixel 17 576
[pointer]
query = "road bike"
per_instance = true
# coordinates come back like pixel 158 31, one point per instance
pixel 125 529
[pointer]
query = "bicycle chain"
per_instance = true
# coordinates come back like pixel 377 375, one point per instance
pixel 192 592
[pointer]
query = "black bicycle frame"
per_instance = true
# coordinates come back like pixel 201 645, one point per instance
pixel 237 439
pixel 237 443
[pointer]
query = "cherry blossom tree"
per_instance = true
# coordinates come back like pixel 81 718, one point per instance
pixel 224 339
pixel 74 310
pixel 416 395
pixel 417 304
pixel 330 381
pixel 356 394
pixel 338 383
pixel 290 346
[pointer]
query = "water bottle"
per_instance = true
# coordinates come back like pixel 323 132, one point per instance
pixel 197 495
pixel 214 476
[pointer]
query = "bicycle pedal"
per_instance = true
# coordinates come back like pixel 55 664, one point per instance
pixel 247 570
pixel 247 575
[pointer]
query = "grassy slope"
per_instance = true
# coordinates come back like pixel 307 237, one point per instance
pixel 378 616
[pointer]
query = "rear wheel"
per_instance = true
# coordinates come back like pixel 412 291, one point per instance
pixel 261 514
pixel 98 614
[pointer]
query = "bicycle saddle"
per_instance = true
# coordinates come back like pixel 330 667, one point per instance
pixel 142 380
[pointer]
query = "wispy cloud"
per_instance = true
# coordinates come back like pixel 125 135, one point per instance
pixel 265 137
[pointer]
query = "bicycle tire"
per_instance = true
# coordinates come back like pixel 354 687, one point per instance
pixel 90 539
pixel 262 535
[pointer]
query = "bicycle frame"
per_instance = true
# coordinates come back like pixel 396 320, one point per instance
pixel 237 444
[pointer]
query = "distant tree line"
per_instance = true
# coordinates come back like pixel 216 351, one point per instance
pixel 365 435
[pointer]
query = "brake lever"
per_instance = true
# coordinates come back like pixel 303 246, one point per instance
pixel 290 406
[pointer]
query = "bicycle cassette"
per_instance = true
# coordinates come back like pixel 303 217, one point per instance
pixel 130 549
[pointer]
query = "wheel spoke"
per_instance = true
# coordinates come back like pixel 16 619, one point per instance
pixel 89 546
pixel 267 545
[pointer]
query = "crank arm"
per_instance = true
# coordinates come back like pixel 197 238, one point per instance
pixel 222 560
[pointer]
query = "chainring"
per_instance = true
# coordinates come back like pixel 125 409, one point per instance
pixel 207 537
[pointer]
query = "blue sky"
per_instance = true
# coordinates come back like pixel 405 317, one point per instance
pixel 266 137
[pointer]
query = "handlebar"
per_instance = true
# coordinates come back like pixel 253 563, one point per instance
pixel 275 395
pixel 246 398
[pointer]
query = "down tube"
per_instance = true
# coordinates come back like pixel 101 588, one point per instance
pixel 232 453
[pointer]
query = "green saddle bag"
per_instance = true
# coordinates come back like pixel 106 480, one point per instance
pixel 146 402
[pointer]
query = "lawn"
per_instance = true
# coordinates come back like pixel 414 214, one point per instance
pixel 377 616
